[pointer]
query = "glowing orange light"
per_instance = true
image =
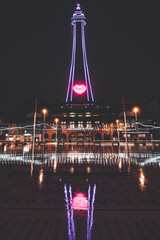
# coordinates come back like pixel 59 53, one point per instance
pixel 71 170
pixel 88 169
pixel 56 120
pixel 135 109
pixel 80 202
pixel 44 111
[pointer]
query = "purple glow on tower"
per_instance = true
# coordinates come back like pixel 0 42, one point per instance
pixel 72 68
pixel 78 17
pixel 78 6
pixel 87 79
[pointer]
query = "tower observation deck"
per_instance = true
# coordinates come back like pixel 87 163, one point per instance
pixel 79 85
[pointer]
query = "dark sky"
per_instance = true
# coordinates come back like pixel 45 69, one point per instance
pixel 123 48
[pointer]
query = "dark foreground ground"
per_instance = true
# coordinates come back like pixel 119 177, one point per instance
pixel 127 203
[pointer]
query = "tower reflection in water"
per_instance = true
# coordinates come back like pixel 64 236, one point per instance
pixel 79 202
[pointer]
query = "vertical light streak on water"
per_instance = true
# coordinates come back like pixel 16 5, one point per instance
pixel 68 213
pixel 72 219
pixel 88 213
pixel 92 207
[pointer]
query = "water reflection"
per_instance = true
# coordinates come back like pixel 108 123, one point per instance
pixel 71 224
pixel 105 156
pixel 55 165
pixel 90 211
pixel 142 180
pixel 71 170
pixel 78 203
pixel 56 156
pixel 81 168
pixel 120 164
pixel 40 179
pixel 88 169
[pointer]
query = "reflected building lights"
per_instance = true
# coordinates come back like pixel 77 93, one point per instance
pixel 55 165
pixel 129 167
pixel 142 179
pixel 147 159
pixel 31 170
pixel 71 170
pixel 120 164
pixel 40 177
pixel 88 169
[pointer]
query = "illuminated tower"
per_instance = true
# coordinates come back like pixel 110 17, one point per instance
pixel 79 85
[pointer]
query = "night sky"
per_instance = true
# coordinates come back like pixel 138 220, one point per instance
pixel 123 49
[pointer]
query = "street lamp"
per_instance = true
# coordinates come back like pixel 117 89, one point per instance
pixel 44 111
pixel 56 121
pixel 136 110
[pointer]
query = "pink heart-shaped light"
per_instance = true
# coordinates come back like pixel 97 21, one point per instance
pixel 80 202
pixel 79 88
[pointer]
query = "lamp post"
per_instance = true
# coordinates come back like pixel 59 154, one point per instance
pixel 44 111
pixel 136 110
pixel 56 121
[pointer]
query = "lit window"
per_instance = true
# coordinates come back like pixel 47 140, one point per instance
pixel 72 114
pixel 88 114
pixel 142 135
pixel 88 124
pixel 72 125
pixel 80 115
pixel 80 124
pixel 65 115
pixel 97 124
pixel 63 125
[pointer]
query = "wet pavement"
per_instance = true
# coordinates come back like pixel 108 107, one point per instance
pixel 120 193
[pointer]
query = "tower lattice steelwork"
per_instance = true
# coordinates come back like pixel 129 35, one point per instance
pixel 79 85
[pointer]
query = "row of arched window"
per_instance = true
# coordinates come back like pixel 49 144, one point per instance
pixel 80 137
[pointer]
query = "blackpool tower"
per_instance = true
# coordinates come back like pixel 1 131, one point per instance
pixel 79 84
